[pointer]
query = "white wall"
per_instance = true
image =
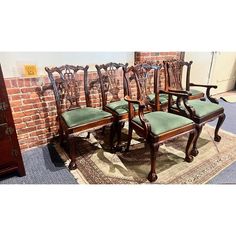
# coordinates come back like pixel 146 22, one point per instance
pixel 12 62
pixel 223 70
pixel 200 67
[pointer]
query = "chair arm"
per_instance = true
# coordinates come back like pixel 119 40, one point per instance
pixel 145 123
pixel 135 101
pixel 208 87
pixel 203 85
pixel 183 96
pixel 180 93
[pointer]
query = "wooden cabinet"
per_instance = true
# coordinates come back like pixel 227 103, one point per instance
pixel 10 154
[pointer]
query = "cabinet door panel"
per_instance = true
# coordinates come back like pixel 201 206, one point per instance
pixel 5 145
pixel 10 155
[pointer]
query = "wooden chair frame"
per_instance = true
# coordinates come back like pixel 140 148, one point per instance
pixel 110 84
pixel 65 85
pixel 144 130
pixel 187 110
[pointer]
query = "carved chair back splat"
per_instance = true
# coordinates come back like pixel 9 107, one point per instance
pixel 174 80
pixel 113 90
pixel 148 75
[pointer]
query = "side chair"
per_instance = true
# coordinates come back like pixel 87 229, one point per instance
pixel 202 111
pixel 155 127
pixel 113 90
pixel 70 83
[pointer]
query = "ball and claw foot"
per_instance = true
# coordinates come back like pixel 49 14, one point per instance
pixel 189 159
pixel 118 148
pixel 194 152
pixel 217 138
pixel 72 165
pixel 113 150
pixel 152 177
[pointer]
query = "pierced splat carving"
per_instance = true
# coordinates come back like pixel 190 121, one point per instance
pixel 111 80
pixel 175 74
pixel 68 85
pixel 146 75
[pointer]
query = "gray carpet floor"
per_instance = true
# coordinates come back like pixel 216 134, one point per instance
pixel 228 175
pixel 43 166
pixel 230 120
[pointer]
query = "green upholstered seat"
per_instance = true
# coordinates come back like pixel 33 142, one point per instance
pixel 163 98
pixel 203 108
pixel 83 115
pixel 162 122
pixel 195 92
pixel 120 107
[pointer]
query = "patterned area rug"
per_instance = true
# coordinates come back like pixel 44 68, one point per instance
pixel 96 165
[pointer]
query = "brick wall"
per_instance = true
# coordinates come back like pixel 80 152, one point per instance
pixel 35 114
pixel 157 57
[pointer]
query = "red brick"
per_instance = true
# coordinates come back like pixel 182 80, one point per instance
pixel 16 109
pixel 26 130
pixel 49 98
pixel 30 112
pixel 30 123
pixel 28 118
pixel 27 90
pixel 35 81
pixel 14 83
pixel 13 91
pixel 172 53
pixel 20 126
pixel 43 115
pixel 18 120
pixel 25 96
pixel 32 133
pixel 27 82
pixel 24 146
pixel 18 115
pixel 7 83
pixel 20 82
pixel 31 101
pixel 34 95
pixel 27 107
pixel 35 117
pixel 41 126
pixel 16 103
pixel 41 142
pixel 16 97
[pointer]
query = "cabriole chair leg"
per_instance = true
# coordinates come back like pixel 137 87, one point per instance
pixel 221 119
pixel 188 156
pixel 152 176
pixel 194 151
pixel 72 153
pixel 120 126
pixel 112 132
pixel 129 138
